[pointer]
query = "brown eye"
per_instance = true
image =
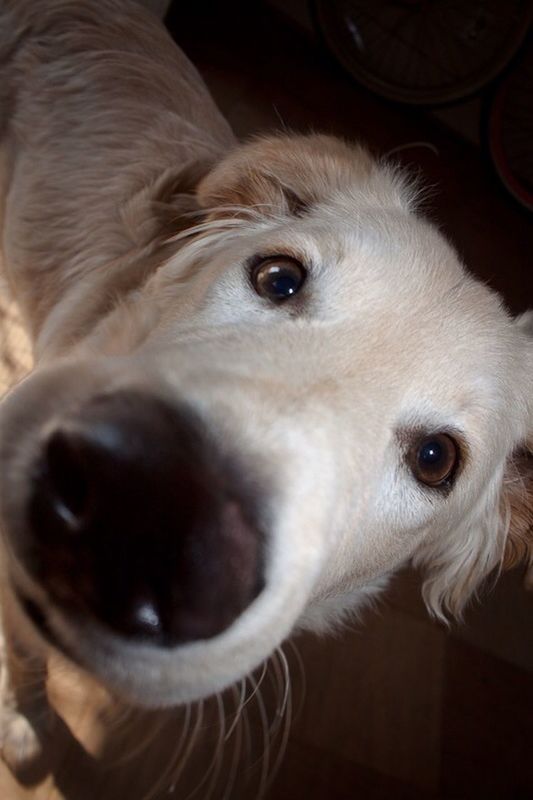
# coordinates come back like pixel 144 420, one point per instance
pixel 278 278
pixel 434 459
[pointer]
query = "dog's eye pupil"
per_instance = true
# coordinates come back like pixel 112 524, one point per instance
pixel 435 459
pixel 431 453
pixel 278 278
pixel 284 285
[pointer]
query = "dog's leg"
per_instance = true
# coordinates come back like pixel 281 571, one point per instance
pixel 26 718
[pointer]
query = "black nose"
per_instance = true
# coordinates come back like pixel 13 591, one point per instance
pixel 138 519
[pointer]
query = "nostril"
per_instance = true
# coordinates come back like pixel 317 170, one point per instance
pixel 68 480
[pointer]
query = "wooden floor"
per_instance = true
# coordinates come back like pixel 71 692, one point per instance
pixel 399 707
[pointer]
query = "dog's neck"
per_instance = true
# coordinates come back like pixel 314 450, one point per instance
pixel 149 221
pixel 87 219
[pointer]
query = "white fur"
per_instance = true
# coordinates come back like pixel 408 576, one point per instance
pixel 394 335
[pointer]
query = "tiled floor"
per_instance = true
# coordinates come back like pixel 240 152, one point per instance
pixel 401 707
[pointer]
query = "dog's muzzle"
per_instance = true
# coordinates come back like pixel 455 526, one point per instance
pixel 136 518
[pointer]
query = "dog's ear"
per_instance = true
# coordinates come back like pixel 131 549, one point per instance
pixel 280 175
pixel 497 535
pixel 498 532
pixel 517 495
pixel 165 205
pixel 517 500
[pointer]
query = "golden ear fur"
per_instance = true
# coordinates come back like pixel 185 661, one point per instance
pixel 165 205
pixel 284 174
pixel 517 497
pixel 518 507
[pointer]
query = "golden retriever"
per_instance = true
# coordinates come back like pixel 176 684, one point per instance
pixel 263 381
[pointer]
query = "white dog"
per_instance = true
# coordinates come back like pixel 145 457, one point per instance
pixel 263 382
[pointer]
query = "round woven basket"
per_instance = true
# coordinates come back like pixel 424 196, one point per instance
pixel 423 52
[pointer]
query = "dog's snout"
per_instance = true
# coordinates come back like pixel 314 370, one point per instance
pixel 137 518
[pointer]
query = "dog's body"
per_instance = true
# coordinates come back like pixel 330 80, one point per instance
pixel 134 229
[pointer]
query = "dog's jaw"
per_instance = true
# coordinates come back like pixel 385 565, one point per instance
pixel 151 676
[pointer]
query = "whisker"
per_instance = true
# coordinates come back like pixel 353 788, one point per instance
pixel 154 789
pixel 238 728
pixel 286 714
pixel 239 709
pixel 247 736
pixel 276 679
pixel 265 756
pixel 285 683
pixel 185 746
pixel 256 684
pixel 302 677
pixel 152 732
pixel 412 145
pixel 116 716
pixel 212 767
pixel 218 756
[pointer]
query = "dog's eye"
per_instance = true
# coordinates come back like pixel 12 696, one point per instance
pixel 434 459
pixel 278 278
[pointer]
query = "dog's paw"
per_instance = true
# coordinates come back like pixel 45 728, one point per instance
pixel 25 744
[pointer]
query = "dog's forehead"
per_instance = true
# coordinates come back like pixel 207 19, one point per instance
pixel 405 306
pixel 389 246
pixel 387 311
pixel 388 268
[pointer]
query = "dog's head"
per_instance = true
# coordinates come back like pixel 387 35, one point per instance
pixel 310 392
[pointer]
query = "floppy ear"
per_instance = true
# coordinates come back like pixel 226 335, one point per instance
pixel 517 496
pixel 496 534
pixel 165 205
pixel 517 499
pixel 283 174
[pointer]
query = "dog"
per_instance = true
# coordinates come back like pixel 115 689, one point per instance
pixel 263 381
